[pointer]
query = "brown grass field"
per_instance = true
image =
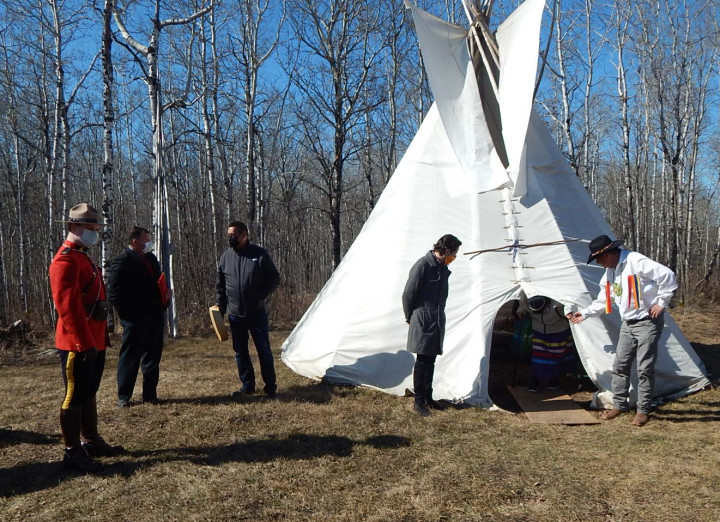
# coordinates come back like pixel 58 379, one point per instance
pixel 334 453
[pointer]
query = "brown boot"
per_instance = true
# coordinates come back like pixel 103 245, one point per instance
pixel 611 414
pixel 70 427
pixel 640 419
pixel 94 444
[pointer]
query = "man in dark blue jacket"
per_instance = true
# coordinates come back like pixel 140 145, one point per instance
pixel 133 290
pixel 246 276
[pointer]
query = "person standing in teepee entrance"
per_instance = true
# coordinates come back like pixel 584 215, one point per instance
pixel 423 301
pixel 641 289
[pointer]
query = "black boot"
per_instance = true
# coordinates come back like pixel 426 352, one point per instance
pixel 75 457
pixel 419 383
pixel 432 404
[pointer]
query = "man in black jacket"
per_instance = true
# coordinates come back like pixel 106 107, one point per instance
pixel 134 291
pixel 246 276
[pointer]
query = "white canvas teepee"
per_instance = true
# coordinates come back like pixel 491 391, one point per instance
pixel 451 180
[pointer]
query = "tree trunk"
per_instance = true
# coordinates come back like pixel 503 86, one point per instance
pixel 108 153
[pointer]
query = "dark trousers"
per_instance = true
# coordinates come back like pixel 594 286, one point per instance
pixel 81 378
pixel 258 327
pixel 422 377
pixel 142 345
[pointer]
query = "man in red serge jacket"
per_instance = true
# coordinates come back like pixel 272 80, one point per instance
pixel 81 337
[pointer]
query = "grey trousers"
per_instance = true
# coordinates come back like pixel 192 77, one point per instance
pixel 639 342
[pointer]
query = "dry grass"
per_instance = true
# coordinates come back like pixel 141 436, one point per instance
pixel 328 453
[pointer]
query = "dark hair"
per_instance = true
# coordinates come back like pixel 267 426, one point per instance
pixel 136 232
pixel 537 303
pixel 447 243
pixel 242 227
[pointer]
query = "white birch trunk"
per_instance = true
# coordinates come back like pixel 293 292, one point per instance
pixel 108 153
pixel 161 210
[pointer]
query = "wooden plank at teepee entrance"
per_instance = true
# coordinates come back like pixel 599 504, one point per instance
pixel 550 407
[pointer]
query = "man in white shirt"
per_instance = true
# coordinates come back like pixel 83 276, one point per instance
pixel 641 289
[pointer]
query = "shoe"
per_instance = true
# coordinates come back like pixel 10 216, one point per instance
pixel 640 419
pixel 99 448
pixel 554 384
pixel 534 385
pixel 76 459
pixel 421 409
pixel 435 405
pixel 241 392
pixel 154 400
pixel 611 414
pixel 123 403
pixel 271 394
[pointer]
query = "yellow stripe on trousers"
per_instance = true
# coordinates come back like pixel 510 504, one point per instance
pixel 70 376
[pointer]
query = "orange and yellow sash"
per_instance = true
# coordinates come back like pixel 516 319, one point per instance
pixel 608 298
pixel 634 293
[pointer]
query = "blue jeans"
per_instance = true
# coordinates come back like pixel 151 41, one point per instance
pixel 259 329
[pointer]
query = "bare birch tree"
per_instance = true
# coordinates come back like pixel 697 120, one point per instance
pixel 340 52
pixel 108 125
pixel 150 54
pixel 261 22
pixel 622 22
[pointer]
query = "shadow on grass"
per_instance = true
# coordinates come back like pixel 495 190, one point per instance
pixel 316 393
pixel 208 400
pixel 702 413
pixel 31 477
pixel 27 478
pixel 10 437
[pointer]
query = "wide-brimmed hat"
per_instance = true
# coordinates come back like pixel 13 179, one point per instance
pixel 83 214
pixel 602 244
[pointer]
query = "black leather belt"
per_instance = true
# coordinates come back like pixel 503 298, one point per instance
pixel 636 321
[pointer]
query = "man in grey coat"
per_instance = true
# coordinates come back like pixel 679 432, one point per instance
pixel 424 300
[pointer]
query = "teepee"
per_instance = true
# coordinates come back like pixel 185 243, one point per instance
pixel 483 167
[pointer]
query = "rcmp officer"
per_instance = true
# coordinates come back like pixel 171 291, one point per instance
pixel 81 338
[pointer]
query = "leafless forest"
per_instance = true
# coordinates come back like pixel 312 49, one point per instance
pixel 292 114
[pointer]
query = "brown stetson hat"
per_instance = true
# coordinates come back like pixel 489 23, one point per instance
pixel 602 244
pixel 83 214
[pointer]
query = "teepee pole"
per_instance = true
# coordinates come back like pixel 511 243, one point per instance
pixel 547 48
pixel 476 37
pixel 488 9
pixel 490 39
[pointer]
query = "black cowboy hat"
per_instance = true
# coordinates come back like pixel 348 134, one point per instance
pixel 602 244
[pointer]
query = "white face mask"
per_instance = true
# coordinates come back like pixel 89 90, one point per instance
pixel 148 247
pixel 89 237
